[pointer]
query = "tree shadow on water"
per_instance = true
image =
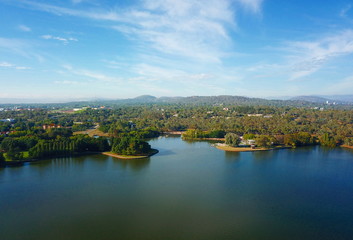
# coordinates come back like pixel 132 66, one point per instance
pixel 134 164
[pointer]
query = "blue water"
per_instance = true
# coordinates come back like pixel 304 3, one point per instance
pixel 187 191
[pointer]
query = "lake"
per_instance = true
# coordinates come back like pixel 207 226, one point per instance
pixel 190 190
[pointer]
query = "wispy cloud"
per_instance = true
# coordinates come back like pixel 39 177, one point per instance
pixel 308 57
pixel 252 5
pixel 345 10
pixel 97 14
pixel 12 66
pixel 24 28
pixel 61 39
pixel 91 74
pixel 20 47
pixel 193 29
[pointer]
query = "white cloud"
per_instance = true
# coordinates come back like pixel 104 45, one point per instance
pixel 195 29
pixel 61 39
pixel 24 28
pixel 6 64
pixel 10 65
pixel 308 57
pixel 252 5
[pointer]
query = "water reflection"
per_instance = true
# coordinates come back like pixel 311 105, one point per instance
pixel 205 192
pixel 232 156
pixel 134 164
pixel 165 152
pixel 263 155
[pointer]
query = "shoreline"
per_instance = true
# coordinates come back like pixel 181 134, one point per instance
pixel 204 139
pixel 246 149
pixel 346 146
pixel 111 154
pixel 173 133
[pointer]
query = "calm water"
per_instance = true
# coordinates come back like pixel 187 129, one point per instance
pixel 187 191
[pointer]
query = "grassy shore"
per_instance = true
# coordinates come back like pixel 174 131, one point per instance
pixel 152 152
pixel 245 149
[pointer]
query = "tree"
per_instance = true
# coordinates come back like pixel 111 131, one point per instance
pixel 327 140
pixel 264 141
pixel 249 136
pixel 232 139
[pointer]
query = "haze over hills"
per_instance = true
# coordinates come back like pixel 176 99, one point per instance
pixel 341 99
pixel 194 100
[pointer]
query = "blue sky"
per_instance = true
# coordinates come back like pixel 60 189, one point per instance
pixel 81 49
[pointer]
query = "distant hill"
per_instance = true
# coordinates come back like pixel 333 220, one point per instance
pixel 222 100
pixel 314 99
pixel 342 98
pixel 339 99
pixel 147 98
pixel 204 100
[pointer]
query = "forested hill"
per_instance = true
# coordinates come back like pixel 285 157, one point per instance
pixel 223 100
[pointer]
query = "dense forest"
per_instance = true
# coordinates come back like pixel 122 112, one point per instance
pixel 42 132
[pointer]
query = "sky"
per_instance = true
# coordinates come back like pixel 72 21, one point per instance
pixel 94 49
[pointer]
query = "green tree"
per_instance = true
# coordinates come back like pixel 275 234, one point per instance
pixel 264 141
pixel 248 136
pixel 327 140
pixel 232 139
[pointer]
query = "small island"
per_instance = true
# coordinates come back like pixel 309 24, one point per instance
pixel 130 147
pixel 121 156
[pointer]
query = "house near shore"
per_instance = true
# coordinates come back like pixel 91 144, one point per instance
pixel 250 142
pixel 50 126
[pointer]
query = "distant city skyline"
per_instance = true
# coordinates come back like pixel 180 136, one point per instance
pixel 85 49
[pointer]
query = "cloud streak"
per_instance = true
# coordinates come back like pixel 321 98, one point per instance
pixel 253 5
pixel 88 74
pixel 12 66
pixel 24 28
pixel 61 39
pixel 198 30
pixel 307 57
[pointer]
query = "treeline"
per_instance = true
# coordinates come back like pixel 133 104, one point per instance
pixel 196 134
pixel 293 140
pixel 39 143
pixel 329 126
pixel 68 146
pixel 53 142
